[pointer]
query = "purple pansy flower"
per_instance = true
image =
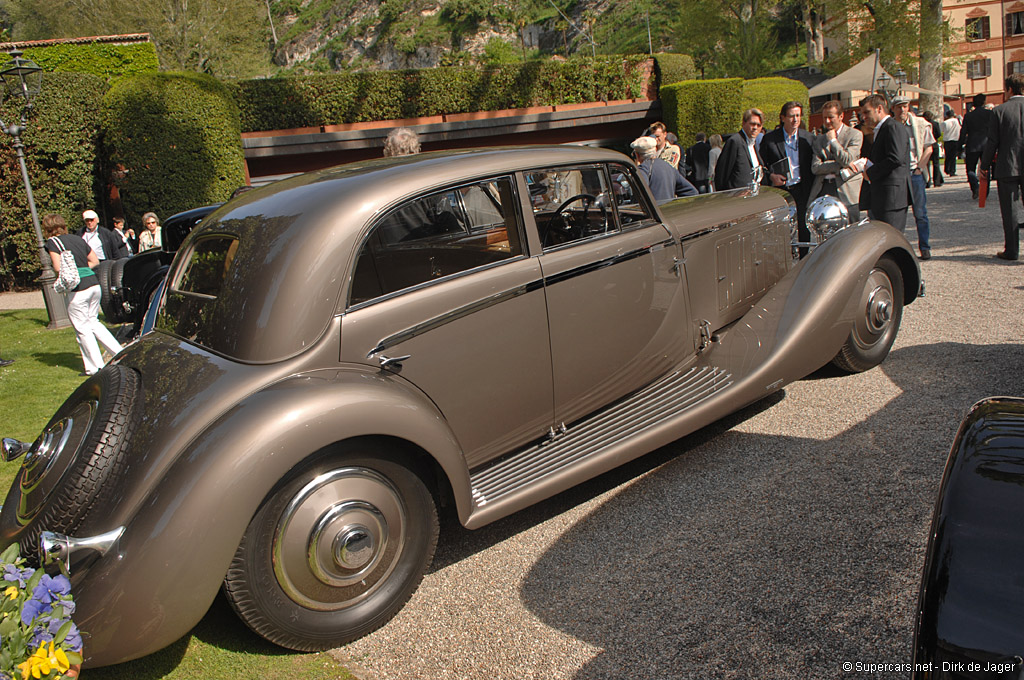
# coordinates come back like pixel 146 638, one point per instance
pixel 32 609
pixel 50 588
pixel 12 574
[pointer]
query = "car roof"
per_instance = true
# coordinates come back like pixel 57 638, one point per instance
pixel 298 238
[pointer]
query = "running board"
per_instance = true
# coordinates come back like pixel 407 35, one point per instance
pixel 666 398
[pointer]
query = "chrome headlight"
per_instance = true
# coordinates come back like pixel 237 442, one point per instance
pixel 826 217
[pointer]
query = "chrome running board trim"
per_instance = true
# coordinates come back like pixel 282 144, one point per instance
pixel 666 398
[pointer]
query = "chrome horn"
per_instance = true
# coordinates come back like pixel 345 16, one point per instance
pixel 58 548
pixel 14 449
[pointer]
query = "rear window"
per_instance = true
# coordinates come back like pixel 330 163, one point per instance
pixel 207 268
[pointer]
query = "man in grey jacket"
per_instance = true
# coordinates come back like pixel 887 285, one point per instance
pixel 1006 138
pixel 833 150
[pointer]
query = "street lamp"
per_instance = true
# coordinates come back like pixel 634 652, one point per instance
pixel 23 78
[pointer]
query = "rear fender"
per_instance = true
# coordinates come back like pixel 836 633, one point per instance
pixel 187 529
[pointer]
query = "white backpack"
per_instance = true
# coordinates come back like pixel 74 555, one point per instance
pixel 67 279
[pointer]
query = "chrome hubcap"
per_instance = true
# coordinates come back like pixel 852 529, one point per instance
pixel 876 318
pixel 339 538
pixel 46 462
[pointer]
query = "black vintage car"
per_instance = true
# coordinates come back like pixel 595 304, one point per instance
pixel 970 619
pixel 128 285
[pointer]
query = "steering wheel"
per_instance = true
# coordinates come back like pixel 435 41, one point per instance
pixel 582 228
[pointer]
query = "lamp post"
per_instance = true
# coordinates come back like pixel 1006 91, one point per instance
pixel 23 78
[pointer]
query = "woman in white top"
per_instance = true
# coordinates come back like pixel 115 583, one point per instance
pixel 150 236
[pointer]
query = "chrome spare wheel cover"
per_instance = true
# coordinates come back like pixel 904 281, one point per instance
pixel 49 458
pixel 877 306
pixel 339 538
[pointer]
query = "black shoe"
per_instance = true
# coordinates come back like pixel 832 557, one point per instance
pixel 926 254
pixel 974 194
pixel 1003 256
pixel 6 362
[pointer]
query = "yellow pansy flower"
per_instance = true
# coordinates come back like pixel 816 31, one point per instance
pixel 11 592
pixel 43 661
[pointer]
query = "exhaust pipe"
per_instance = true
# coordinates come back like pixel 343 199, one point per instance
pixel 59 549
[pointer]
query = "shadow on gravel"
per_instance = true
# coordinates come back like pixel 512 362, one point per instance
pixel 768 556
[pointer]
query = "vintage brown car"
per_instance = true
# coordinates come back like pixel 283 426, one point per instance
pixel 342 353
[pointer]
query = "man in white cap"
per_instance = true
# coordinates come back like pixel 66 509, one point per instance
pixel 664 180
pixel 102 241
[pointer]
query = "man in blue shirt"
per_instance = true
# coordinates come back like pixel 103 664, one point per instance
pixel 664 180
pixel 787 152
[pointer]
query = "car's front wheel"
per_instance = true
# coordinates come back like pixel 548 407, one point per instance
pixel 879 312
pixel 334 552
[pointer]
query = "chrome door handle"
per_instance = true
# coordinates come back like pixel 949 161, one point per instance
pixel 677 265
pixel 391 362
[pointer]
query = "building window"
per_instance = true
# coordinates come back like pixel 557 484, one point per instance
pixel 977 29
pixel 1015 67
pixel 979 68
pixel 946 76
pixel 1015 23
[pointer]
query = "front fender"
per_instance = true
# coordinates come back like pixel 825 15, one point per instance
pixel 802 322
pixel 181 540
pixel 972 596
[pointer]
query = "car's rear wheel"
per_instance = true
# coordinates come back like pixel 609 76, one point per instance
pixel 334 552
pixel 879 312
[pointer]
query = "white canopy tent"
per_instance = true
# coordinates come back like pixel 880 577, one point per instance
pixel 864 77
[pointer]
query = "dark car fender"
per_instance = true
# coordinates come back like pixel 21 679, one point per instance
pixel 971 602
pixel 188 527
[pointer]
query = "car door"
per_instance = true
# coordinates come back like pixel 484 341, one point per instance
pixel 617 307
pixel 444 280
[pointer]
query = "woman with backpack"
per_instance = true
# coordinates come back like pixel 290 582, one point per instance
pixel 83 298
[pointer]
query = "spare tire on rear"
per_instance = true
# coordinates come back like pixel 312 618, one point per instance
pixel 79 457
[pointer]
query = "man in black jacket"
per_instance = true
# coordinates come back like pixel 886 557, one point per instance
pixel 888 165
pixel 973 136
pixel 698 160
pixel 103 241
pixel 1005 136
pixel 735 167
pixel 787 152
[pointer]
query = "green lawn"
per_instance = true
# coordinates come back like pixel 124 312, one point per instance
pixel 45 372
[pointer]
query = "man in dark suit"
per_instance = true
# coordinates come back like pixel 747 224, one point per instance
pixel 735 167
pixel 664 181
pixel 787 152
pixel 888 164
pixel 697 161
pixel 974 136
pixel 1006 138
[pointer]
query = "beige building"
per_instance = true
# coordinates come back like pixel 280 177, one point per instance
pixel 992 40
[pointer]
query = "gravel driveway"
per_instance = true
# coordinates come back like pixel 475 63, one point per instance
pixel 779 544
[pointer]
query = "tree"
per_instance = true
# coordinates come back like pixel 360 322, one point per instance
pixel 932 25
pixel 729 37
pixel 220 37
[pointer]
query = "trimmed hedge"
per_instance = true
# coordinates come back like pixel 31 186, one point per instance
pixel 674 68
pixel 99 59
pixel 177 136
pixel 717 106
pixel 61 148
pixel 769 94
pixel 331 99
pixel 707 106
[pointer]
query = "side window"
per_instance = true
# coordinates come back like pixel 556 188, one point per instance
pixel 628 197
pixel 571 204
pixel 438 235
